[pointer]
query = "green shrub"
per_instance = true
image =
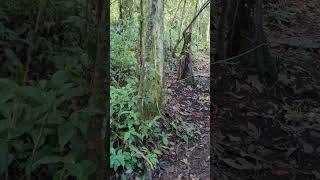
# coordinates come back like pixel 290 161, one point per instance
pixel 134 142
pixel 37 133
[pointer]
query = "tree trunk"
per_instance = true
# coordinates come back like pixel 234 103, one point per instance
pixel 244 21
pixel 185 63
pixel 196 21
pixel 96 142
pixel 208 31
pixel 151 78
pixel 141 29
pixel 220 35
pixel 120 10
pixel 181 20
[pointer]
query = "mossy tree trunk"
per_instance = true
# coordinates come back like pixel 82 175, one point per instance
pixel 151 79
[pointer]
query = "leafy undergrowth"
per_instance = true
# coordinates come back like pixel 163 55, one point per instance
pixel 44 90
pixel 135 144
pixel 270 131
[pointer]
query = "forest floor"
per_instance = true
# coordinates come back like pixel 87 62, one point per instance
pixel 264 131
pixel 187 115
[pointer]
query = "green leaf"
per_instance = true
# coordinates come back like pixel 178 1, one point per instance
pixel 49 160
pixel 165 138
pixel 7 84
pixel 59 78
pixel 58 175
pixel 65 133
pixel 74 92
pixel 80 120
pixel 117 160
pixel 33 93
pixel 55 117
pixel 185 137
pixel 127 135
pixel 157 151
pixel 5 157
pixel 11 56
pixel 81 170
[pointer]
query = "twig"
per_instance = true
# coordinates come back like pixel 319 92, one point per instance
pixel 144 157
pixel 242 54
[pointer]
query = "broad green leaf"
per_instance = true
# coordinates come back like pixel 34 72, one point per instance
pixel 80 120
pixel 81 170
pixel 55 117
pixel 165 140
pixel 74 92
pixel 11 56
pixel 126 135
pixel 59 78
pixel 31 92
pixel 7 84
pixel 65 133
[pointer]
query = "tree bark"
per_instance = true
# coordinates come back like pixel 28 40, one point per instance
pixel 185 63
pixel 182 19
pixel 151 78
pixel 96 142
pixel 221 29
pixel 141 29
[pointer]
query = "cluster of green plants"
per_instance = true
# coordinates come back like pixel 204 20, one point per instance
pixel 43 120
pixel 40 129
pixel 135 143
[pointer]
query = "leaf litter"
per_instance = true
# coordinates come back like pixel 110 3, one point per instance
pixel 264 132
pixel 187 110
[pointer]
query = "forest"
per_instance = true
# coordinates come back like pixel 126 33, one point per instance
pixel 160 76
pixel 53 69
pixel 159 89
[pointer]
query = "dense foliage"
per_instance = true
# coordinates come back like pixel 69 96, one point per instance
pixel 132 139
pixel 136 142
pixel 44 70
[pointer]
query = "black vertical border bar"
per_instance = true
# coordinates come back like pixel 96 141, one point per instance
pixel 108 59
pixel 211 88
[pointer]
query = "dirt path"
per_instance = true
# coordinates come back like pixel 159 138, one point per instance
pixel 188 107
